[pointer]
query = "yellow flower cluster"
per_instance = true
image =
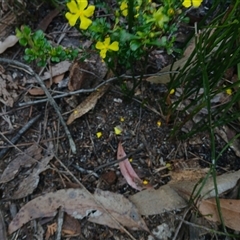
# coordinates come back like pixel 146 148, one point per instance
pixel 192 3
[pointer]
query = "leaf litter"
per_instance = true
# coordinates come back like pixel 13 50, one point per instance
pixel 79 203
pixel 26 159
pixel 30 182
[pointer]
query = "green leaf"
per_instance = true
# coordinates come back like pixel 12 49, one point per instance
pixel 26 30
pixel 134 45
pixel 18 33
pixel 23 41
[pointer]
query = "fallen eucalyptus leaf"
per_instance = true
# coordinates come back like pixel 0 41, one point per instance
pixel 127 171
pixel 88 104
pixel 230 209
pixel 79 203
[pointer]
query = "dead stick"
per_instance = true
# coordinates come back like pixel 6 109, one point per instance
pixel 49 96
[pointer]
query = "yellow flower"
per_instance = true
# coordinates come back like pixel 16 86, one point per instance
pixel 172 91
pixel 122 119
pixel 159 123
pixel 192 3
pixel 124 8
pixel 229 91
pixel 160 18
pixel 145 182
pixel 105 46
pixel 79 9
pixel 99 134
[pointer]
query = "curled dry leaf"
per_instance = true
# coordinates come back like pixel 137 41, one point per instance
pixel 127 171
pixel 79 203
pixel 8 42
pixel 88 104
pixel 230 209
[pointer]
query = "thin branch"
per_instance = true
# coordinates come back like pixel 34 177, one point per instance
pixel 91 89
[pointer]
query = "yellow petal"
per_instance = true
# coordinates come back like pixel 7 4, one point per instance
pixel 85 22
pixel 99 134
pixel 124 8
pixel 187 3
pixel 118 130
pixel 196 3
pixel 145 182
pixel 99 45
pixel 89 11
pixel 114 46
pixel 72 18
pixel 72 6
pixel 106 42
pixel 103 53
pixel 229 91
pixel 82 4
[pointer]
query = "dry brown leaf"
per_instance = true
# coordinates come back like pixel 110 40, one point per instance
pixel 225 182
pixel 56 70
pixel 71 226
pixel 151 201
pixel 120 208
pixel 79 203
pixel 230 209
pixel 30 182
pixel 88 104
pixel 30 156
pixel 57 79
pixel 85 74
pixel 174 195
pixel 8 42
pixel 36 91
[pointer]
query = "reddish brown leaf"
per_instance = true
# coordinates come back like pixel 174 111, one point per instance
pixel 127 171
